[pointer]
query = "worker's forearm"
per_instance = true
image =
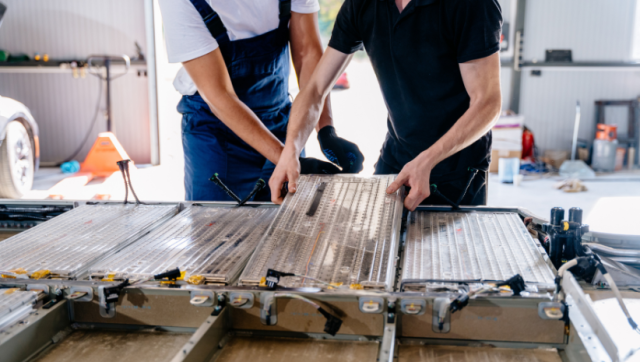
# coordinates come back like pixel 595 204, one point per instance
pixel 309 105
pixel 305 114
pixel 473 124
pixel 326 117
pixel 245 124
pixel 305 63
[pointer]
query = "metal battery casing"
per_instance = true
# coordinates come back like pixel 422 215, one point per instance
pixel 339 229
pixel 456 247
pixel 68 244
pixel 213 242
pixel 15 305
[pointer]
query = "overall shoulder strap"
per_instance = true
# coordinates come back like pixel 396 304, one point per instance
pixel 285 12
pixel 211 18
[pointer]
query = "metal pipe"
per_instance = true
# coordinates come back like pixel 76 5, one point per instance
pixel 613 251
pixel 624 260
pixel 576 126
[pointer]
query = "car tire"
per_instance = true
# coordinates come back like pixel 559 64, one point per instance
pixel 16 162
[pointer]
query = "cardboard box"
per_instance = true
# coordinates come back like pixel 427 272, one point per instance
pixel 498 154
pixel 507 140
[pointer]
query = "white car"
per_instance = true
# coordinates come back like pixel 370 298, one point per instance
pixel 19 148
pixel 19 145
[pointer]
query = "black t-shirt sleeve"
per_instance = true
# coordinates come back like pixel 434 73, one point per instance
pixel 476 26
pixel 345 37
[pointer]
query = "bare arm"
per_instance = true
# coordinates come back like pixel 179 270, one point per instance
pixel 482 81
pixel 304 116
pixel 306 51
pixel 210 75
pixel 307 108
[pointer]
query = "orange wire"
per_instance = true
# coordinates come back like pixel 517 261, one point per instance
pixel 312 250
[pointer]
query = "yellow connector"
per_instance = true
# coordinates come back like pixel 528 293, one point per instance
pixel 110 277
pixel 335 285
pixel 182 273
pixel 263 282
pixel 195 279
pixel 11 291
pixel 506 287
pixel 40 274
pixel 14 271
pixel 356 286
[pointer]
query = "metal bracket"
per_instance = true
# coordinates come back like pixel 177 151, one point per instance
pixel 202 298
pixel 391 311
pixel 413 306
pixel 441 304
pixel 269 318
pixel 371 305
pixel 80 294
pixel 222 302
pixel 107 310
pixel 583 304
pixel 37 287
pixel 551 310
pixel 388 343
pixel 242 300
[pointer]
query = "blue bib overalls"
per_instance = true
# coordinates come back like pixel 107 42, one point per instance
pixel 259 71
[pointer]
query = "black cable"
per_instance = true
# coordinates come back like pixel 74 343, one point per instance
pixel 131 186
pixel 93 124
pixel 123 165
pixel 126 185
pixel 218 182
pixel 257 188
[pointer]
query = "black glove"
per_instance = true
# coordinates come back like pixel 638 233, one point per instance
pixel 310 165
pixel 340 151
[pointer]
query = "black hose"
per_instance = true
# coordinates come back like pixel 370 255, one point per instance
pixel 93 123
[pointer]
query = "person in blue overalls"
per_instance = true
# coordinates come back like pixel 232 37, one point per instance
pixel 234 82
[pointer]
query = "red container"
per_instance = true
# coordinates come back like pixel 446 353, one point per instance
pixel 607 132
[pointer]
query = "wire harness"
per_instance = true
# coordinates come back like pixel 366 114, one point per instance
pixel 124 169
pixel 333 323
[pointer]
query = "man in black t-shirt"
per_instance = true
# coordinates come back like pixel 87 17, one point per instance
pixel 438 67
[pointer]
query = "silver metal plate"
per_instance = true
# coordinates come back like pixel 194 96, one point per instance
pixel 15 306
pixel 449 247
pixel 68 244
pixel 338 229
pixel 210 241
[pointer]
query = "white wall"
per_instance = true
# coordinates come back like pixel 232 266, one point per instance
pixel 64 106
pixel 595 30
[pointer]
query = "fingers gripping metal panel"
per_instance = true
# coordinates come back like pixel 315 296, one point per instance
pixel 338 229
pixel 209 241
pixel 463 247
pixel 68 244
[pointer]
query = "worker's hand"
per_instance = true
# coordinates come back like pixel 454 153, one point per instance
pixel 414 174
pixel 340 151
pixel 287 171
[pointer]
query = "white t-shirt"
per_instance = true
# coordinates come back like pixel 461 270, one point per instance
pixel 187 37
